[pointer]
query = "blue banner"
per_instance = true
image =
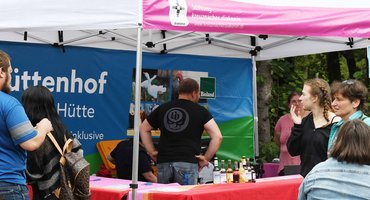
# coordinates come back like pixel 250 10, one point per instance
pixel 93 87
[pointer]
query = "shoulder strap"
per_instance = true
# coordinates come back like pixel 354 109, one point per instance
pixel 364 117
pixel 55 143
pixel 68 146
pixel 332 119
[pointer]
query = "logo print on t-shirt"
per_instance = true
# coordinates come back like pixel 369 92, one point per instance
pixel 176 120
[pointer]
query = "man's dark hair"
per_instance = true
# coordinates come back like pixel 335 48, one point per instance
pixel 188 85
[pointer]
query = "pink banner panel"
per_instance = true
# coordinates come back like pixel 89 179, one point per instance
pixel 241 17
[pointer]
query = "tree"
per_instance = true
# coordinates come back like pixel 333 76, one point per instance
pixel 333 67
pixel 264 87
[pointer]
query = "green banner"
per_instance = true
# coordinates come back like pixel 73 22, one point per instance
pixel 207 87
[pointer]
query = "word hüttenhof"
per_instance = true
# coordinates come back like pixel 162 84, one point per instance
pixel 71 84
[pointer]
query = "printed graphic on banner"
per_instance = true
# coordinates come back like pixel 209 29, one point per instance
pixel 179 75
pixel 155 89
pixel 207 87
pixel 178 12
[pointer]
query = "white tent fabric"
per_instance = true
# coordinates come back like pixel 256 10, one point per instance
pixel 41 15
pixel 193 43
pixel 270 29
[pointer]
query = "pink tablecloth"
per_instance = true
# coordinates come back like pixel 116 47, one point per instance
pixel 270 169
pixel 115 189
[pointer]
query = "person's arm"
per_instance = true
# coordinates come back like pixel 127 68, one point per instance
pixel 215 142
pixel 301 193
pixel 42 128
pixel 146 138
pixel 150 177
pixel 277 138
pixel 277 132
pixel 294 141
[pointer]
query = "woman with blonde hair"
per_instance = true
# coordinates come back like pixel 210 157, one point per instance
pixel 346 174
pixel 310 134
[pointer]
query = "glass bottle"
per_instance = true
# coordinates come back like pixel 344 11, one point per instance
pixel 244 162
pixel 253 175
pixel 216 172
pixel 248 175
pixel 241 173
pixel 236 172
pixel 229 172
pixel 223 172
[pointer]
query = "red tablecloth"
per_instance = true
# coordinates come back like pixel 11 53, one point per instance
pixel 270 188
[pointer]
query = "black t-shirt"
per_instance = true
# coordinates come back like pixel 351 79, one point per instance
pixel 123 158
pixel 181 123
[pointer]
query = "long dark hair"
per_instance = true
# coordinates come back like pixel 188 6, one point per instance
pixel 38 103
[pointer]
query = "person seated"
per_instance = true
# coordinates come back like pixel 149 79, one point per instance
pixel 346 174
pixel 121 156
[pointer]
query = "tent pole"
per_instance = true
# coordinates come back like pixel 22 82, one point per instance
pixel 255 111
pixel 135 157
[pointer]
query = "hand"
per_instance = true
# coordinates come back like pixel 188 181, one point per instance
pixel 153 155
pixel 45 125
pixel 297 118
pixel 202 161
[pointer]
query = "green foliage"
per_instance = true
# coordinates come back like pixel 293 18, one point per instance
pixel 288 75
pixel 269 151
pixel 286 78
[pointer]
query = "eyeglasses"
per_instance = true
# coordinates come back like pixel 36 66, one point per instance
pixel 349 82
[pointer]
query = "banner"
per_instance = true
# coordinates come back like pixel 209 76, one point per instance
pixel 93 90
pixel 299 18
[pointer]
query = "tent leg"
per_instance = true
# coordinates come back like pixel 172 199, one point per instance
pixel 255 111
pixel 135 157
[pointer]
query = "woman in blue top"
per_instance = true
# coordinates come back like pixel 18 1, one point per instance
pixel 349 102
pixel 346 174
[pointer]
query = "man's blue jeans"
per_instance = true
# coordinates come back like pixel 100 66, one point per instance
pixel 11 191
pixel 183 173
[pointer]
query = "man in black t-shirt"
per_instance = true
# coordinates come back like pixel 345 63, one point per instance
pixel 121 156
pixel 181 123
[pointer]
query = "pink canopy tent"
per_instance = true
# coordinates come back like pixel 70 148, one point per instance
pixel 261 20
pixel 298 18
pixel 261 30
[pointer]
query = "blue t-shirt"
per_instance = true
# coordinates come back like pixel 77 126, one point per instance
pixel 15 128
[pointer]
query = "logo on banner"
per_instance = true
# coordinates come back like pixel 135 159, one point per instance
pixel 178 13
pixel 207 87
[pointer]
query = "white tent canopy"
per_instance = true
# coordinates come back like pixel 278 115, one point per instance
pixel 228 28
pixel 278 29
pixel 54 15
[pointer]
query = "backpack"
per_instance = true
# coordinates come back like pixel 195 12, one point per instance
pixel 74 172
